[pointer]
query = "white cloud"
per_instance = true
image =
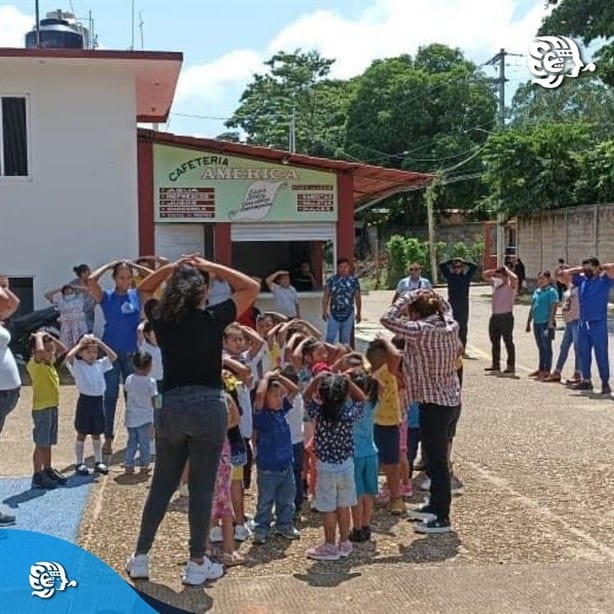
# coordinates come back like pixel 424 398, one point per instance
pixel 13 26
pixel 387 28
pixel 212 80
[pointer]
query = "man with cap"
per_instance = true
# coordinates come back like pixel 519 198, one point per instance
pixel 459 273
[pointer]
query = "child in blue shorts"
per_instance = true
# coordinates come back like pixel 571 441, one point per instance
pixel 366 461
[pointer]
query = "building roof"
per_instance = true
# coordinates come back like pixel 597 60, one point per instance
pixel 155 72
pixel 371 183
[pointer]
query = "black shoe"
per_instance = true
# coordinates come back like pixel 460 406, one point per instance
pixel 56 476
pixel 356 536
pixel 606 390
pixel 492 369
pixel 42 480
pixel 508 373
pixel 586 385
pixel 6 520
pixel 366 533
pixel 433 527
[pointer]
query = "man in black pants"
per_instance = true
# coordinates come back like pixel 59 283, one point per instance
pixel 459 273
pixel 501 324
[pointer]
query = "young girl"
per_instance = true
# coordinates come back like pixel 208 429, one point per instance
pixel 222 503
pixel 365 460
pixel 71 307
pixel 88 372
pixel 336 403
pixel 384 359
pixel 141 391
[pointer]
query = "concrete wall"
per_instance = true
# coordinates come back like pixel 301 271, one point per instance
pixel 80 202
pixel 574 234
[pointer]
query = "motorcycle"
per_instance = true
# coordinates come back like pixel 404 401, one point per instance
pixel 22 327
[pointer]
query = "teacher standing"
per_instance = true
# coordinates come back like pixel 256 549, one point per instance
pixel 432 348
pixel 192 423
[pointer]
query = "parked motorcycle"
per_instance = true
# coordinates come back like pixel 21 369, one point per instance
pixel 21 327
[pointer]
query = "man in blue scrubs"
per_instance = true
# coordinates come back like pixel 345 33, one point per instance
pixel 594 282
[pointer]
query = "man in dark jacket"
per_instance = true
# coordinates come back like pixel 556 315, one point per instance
pixel 458 273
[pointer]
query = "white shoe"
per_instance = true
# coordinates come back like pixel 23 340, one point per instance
pixel 242 532
pixel 196 574
pixel 425 484
pixel 137 566
pixel 215 535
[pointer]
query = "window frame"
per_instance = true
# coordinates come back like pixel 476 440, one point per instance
pixel 16 178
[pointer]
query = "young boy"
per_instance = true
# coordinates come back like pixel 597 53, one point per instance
pixel 274 460
pixel 384 359
pixel 286 297
pixel 45 400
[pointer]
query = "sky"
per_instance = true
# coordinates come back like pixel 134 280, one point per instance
pixel 224 42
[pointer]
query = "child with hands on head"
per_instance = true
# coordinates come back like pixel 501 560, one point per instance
pixel 335 402
pixel 88 372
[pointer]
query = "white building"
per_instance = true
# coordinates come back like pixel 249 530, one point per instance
pixel 68 158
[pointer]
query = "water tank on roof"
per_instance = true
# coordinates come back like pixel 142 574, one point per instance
pixel 55 33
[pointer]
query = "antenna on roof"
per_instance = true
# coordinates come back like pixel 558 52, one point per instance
pixel 132 27
pixel 141 24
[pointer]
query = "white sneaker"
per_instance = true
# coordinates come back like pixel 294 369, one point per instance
pixel 196 574
pixel 215 535
pixel 425 484
pixel 137 566
pixel 242 532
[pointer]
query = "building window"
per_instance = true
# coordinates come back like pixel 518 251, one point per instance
pixel 13 137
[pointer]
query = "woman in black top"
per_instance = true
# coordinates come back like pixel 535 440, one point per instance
pixel 193 420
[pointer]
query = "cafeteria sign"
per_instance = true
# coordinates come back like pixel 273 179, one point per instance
pixel 192 186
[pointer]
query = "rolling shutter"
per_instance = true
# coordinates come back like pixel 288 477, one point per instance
pixel 173 240
pixel 284 231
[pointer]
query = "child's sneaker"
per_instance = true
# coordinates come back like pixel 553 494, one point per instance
pixel 242 532
pixel 137 566
pixel 54 474
pixel 366 533
pixel 383 497
pixel 42 480
pixel 215 535
pixel 407 490
pixel 196 573
pixel 259 539
pixel 356 536
pixel 345 549
pixel 433 527
pixel 82 469
pixel 288 532
pixel 324 552
pixel 101 468
pixel 396 507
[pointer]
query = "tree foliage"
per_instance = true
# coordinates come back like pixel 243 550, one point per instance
pixel 589 20
pixel 294 85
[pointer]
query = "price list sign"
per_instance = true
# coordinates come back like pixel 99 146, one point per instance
pixel 187 203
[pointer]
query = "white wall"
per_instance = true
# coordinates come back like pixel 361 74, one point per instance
pixel 80 204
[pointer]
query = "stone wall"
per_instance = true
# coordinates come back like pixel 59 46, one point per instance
pixel 574 233
pixel 467 232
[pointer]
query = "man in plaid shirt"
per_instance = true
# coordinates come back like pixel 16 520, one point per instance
pixel 432 346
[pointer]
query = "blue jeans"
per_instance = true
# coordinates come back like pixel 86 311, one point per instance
pixel 122 368
pixel 139 438
pixel 274 488
pixel 343 330
pixel 299 456
pixel 594 336
pixel 570 337
pixel 544 345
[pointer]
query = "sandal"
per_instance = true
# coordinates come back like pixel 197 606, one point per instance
pixel 231 560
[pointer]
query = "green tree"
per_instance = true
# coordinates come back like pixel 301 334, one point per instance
pixel 589 20
pixel 294 85
pixel 427 113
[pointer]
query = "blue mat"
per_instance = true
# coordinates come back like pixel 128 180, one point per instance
pixel 54 512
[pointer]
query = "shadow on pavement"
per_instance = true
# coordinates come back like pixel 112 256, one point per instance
pixel 74 481
pixel 190 599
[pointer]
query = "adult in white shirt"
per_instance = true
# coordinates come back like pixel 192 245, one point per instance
pixel 219 292
pixel 413 281
pixel 285 295
pixel 10 381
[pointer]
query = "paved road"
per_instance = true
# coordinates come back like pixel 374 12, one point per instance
pixel 534 531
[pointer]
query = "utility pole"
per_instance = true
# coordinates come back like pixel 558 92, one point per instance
pixel 38 25
pixel 500 81
pixel 292 135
